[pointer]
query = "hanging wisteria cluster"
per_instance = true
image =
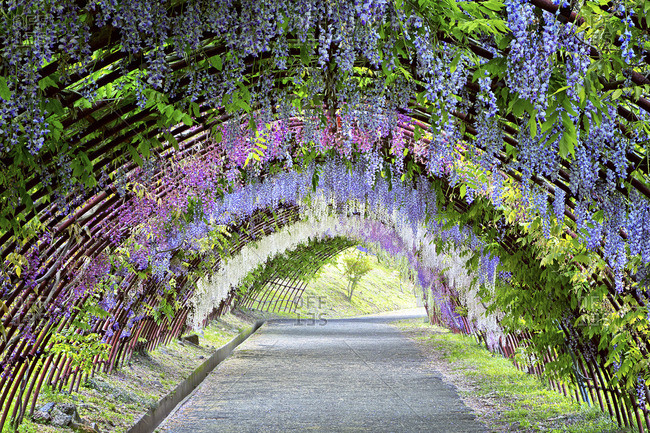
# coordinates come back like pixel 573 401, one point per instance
pixel 338 192
pixel 365 110
pixel 382 219
pixel 361 114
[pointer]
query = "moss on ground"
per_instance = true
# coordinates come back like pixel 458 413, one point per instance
pixel 502 397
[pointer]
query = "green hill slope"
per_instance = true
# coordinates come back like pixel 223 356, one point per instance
pixel 381 289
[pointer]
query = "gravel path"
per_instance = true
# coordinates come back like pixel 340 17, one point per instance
pixel 348 375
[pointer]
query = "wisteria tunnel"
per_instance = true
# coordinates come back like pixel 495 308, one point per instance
pixel 164 162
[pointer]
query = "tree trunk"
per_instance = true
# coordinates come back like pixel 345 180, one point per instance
pixel 352 287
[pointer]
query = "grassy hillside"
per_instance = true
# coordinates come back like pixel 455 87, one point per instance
pixel 379 290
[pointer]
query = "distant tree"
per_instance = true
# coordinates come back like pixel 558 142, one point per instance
pixel 354 268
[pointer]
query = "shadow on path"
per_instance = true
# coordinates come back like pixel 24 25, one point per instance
pixel 348 375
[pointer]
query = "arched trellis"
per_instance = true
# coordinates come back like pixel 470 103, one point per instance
pixel 457 203
pixel 47 249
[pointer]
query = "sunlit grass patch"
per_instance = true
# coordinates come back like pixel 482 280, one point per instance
pixel 381 289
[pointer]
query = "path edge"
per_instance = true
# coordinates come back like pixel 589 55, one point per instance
pixel 156 415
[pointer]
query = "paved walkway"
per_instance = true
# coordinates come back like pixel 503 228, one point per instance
pixel 348 375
